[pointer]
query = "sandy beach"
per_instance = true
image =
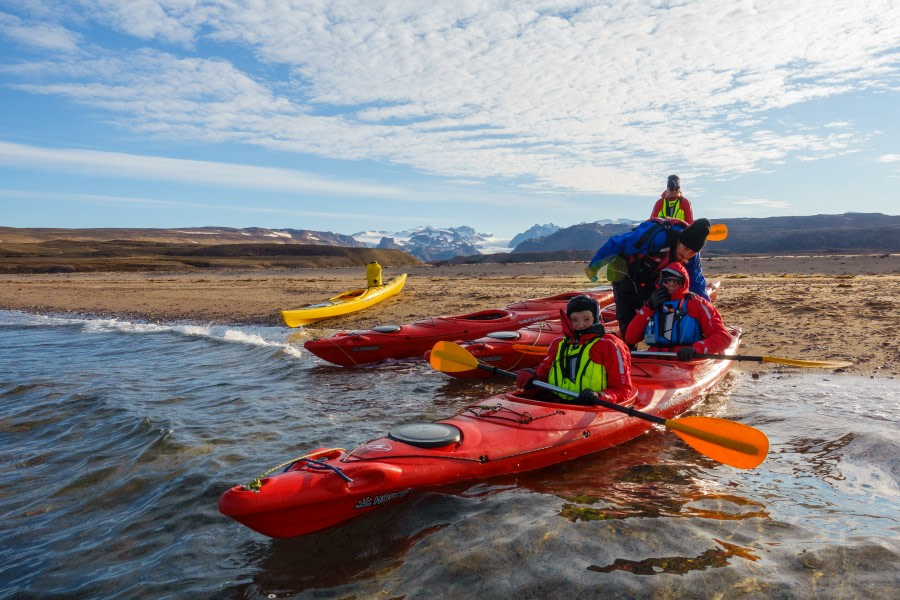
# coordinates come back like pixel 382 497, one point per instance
pixel 835 307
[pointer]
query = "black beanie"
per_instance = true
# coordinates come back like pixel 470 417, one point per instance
pixel 673 183
pixel 694 235
pixel 582 302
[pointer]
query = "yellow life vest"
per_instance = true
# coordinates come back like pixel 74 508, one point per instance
pixel 671 208
pixel 574 370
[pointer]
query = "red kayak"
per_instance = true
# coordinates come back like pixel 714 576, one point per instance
pixel 352 348
pixel 499 348
pixel 504 434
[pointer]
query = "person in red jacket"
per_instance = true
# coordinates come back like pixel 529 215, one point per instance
pixel 586 361
pixel 673 203
pixel 675 319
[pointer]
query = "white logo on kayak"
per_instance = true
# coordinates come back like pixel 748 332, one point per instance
pixel 370 501
pixel 379 447
pixel 533 319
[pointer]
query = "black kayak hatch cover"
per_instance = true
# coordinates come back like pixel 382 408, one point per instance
pixel 426 435
pixel 387 328
pixel 504 335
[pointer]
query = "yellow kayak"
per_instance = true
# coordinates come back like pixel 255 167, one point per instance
pixel 343 304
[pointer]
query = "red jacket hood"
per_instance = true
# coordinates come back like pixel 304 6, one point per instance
pixel 677 266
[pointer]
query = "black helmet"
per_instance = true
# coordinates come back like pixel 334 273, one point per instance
pixel 582 302
pixel 673 183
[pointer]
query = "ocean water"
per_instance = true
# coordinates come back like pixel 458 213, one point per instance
pixel 117 438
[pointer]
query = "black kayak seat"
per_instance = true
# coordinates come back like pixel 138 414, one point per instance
pixel 426 435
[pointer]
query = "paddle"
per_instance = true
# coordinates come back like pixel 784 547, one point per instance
pixel 794 362
pixel 727 442
pixel 717 233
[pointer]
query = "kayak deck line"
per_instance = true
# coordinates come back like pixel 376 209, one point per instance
pixel 255 484
pixel 524 417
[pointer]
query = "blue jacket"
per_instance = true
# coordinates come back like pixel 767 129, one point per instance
pixel 650 246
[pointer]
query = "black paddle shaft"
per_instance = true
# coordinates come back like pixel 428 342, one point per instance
pixel 649 354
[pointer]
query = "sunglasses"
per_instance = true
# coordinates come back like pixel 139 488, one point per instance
pixel 678 280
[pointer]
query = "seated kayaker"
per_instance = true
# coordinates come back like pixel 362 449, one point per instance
pixel 586 360
pixel 674 319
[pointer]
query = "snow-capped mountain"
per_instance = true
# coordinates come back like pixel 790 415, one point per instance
pixel 535 231
pixel 616 222
pixel 433 243
pixel 584 236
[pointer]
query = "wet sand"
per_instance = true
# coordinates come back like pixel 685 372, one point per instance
pixel 833 307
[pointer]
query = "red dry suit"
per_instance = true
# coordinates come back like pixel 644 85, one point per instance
pixel 714 336
pixel 678 207
pixel 609 351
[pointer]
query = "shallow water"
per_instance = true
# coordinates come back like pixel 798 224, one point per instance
pixel 117 439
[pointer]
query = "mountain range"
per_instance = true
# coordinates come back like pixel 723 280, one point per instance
pixel 433 243
pixel 178 235
pixel 850 232
pixel 533 232
pixel 872 232
pixel 35 249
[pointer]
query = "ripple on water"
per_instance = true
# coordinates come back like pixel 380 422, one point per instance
pixel 113 465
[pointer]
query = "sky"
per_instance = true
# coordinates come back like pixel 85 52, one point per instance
pixel 384 115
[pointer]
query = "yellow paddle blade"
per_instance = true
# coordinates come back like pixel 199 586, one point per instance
pixel 813 364
pixel 526 349
pixel 717 233
pixel 730 443
pixel 448 357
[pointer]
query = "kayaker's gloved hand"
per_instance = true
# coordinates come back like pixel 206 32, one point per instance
pixel 587 397
pixel 525 379
pixel 686 353
pixel 657 298
pixel 591 273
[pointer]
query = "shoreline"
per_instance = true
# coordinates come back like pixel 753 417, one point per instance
pixel 829 306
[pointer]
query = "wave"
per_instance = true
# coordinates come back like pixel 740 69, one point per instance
pixel 271 337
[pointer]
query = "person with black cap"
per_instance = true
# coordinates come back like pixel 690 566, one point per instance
pixel 672 203
pixel 674 319
pixel 586 360
pixel 636 257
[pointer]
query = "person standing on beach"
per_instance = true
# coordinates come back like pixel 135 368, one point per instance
pixel 635 259
pixel 674 319
pixel 586 360
pixel 672 203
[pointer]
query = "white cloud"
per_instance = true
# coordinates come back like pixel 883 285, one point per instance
pixel 763 202
pixel 888 158
pixel 560 95
pixel 173 21
pixel 210 208
pixel 42 36
pixel 265 179
pixel 115 164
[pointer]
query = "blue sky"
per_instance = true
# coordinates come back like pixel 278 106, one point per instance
pixel 352 115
